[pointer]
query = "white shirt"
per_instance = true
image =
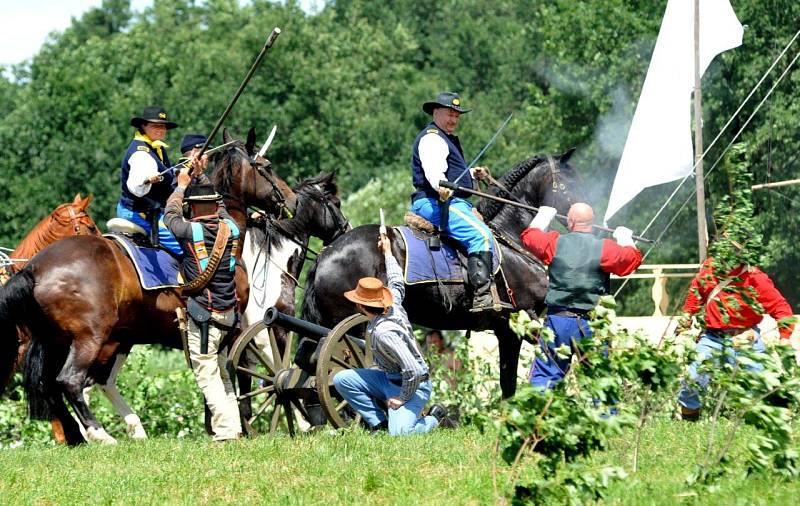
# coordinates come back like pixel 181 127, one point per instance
pixel 433 151
pixel 143 167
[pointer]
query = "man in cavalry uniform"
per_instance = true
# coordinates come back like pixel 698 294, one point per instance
pixel 145 181
pixel 580 268
pixel 437 155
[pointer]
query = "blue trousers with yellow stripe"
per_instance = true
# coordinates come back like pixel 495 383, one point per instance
pixel 462 225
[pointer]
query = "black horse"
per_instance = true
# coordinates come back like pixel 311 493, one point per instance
pixel 543 180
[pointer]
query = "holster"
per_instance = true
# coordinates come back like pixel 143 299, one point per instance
pixel 444 215
pixel 152 218
pixel 201 317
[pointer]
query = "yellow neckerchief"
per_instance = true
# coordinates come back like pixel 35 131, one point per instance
pixel 157 145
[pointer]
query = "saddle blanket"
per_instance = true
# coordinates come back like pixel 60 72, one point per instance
pixel 156 268
pixel 424 265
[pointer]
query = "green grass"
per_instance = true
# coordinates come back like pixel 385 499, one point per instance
pixel 444 467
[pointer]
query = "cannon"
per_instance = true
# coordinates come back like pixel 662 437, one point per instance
pixel 297 379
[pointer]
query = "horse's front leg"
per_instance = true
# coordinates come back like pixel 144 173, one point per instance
pixel 72 378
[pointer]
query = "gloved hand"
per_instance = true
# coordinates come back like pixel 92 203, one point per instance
pixel 624 236
pixel 543 218
pixel 445 193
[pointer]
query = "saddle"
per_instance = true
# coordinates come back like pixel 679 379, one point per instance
pixel 157 268
pixel 425 264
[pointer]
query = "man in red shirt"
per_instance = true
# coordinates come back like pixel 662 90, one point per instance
pixel 732 306
pixel 580 268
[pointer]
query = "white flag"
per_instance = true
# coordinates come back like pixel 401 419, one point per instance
pixel 659 144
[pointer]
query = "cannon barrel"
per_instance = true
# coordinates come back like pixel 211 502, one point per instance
pixel 273 317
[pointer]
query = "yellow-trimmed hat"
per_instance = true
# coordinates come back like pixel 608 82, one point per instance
pixel 447 99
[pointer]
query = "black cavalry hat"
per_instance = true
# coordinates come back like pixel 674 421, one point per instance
pixel 153 114
pixel 191 141
pixel 201 192
pixel 445 99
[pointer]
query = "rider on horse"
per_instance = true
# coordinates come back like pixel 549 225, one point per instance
pixel 437 155
pixel 146 182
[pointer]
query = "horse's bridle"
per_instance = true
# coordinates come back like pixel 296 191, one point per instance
pixel 557 186
pixel 324 199
pixel 75 219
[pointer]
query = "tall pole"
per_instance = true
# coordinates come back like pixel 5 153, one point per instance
pixel 702 233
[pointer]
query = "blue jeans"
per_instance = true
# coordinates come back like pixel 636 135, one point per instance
pixel 462 225
pixel 362 387
pixel 709 342
pixel 165 237
pixel 548 369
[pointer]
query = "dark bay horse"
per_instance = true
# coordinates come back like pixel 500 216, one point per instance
pixel 81 302
pixel 538 181
pixel 274 253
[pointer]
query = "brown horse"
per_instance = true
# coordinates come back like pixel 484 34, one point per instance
pixel 81 301
pixel 66 220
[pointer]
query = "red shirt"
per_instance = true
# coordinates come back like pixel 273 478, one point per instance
pixel 614 259
pixel 745 316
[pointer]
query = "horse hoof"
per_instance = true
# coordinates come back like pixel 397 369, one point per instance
pixel 136 432
pixel 99 435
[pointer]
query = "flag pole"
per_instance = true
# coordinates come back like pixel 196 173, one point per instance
pixel 702 233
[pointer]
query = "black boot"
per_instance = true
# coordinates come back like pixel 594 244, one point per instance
pixel 479 271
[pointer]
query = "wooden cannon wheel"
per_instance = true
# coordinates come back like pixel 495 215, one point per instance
pixel 347 347
pixel 275 379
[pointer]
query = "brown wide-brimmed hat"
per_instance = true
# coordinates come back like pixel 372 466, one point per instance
pixel 153 114
pixel 370 292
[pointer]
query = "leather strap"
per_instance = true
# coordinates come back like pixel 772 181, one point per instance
pixel 200 282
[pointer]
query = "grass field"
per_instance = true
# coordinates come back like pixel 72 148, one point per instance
pixel 445 467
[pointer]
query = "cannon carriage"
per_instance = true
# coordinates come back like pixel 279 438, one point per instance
pixel 297 379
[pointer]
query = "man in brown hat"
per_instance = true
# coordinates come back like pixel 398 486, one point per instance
pixel 436 155
pixel 209 273
pixel 401 379
pixel 145 181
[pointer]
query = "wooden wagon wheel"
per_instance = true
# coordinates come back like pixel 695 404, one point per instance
pixel 275 378
pixel 346 347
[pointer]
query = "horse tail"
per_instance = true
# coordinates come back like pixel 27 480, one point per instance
pixel 309 312
pixel 16 299
pixel 36 384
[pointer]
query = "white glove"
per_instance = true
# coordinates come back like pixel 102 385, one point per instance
pixel 624 236
pixel 543 218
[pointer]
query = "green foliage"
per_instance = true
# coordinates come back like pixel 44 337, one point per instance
pixel 738 239
pixel 473 389
pixel 609 388
pixel 757 390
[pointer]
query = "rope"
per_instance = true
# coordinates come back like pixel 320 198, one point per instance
pixel 724 151
pixel 725 127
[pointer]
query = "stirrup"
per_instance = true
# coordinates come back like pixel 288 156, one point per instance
pixel 496 304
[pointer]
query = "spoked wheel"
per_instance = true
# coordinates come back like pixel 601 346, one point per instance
pixel 346 347
pixel 258 360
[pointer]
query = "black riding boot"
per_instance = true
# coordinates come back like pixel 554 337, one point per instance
pixel 479 271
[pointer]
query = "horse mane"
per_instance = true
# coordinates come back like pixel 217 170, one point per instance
pixel 46 232
pixel 323 183
pixel 490 208
pixel 221 177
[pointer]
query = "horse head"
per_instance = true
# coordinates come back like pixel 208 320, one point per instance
pixel 244 182
pixel 319 208
pixel 539 181
pixel 71 218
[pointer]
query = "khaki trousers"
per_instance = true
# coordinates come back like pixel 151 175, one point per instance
pixel 212 377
